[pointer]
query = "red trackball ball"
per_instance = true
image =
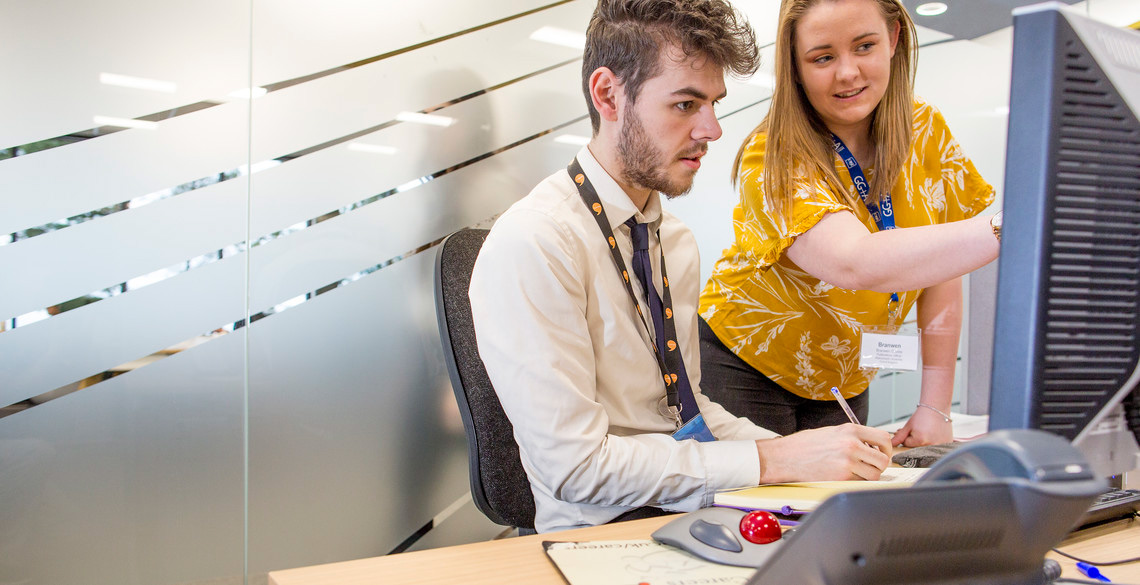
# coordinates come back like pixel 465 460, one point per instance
pixel 760 527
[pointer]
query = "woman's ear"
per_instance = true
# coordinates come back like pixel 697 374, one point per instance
pixel 604 90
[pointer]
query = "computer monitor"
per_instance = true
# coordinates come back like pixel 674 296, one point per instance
pixel 1067 327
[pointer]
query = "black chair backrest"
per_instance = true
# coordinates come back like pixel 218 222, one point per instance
pixel 499 484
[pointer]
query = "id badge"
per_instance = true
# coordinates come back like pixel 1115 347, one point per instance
pixel 889 349
pixel 695 429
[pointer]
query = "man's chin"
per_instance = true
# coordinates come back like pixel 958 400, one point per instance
pixel 676 191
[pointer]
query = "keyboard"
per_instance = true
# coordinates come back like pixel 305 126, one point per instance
pixel 1113 504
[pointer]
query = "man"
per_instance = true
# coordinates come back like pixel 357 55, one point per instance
pixel 564 325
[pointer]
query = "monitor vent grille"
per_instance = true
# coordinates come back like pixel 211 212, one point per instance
pixel 1122 47
pixel 1091 341
pixel 940 542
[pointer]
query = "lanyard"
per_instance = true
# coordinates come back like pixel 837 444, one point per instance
pixel 884 216
pixel 590 198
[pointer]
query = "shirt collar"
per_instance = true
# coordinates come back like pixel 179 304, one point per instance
pixel 617 204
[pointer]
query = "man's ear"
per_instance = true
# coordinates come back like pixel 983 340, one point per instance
pixel 604 92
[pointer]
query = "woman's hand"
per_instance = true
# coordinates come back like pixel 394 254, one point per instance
pixel 925 427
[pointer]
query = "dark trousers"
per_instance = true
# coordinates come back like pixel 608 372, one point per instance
pixel 743 391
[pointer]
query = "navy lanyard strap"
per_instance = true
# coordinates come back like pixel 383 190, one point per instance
pixel 883 213
pixel 590 198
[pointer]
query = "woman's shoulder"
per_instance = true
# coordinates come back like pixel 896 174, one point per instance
pixel 928 124
pixel 924 109
pixel 757 142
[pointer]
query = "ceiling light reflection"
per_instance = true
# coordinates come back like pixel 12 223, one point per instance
pixel 573 139
pixel 372 148
pixel 247 93
pixel 125 123
pixel 138 82
pixel 428 119
pixel 560 37
pixel 930 9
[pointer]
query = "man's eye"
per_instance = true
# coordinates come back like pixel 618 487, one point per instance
pixel 685 106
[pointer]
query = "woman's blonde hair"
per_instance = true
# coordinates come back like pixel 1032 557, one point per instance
pixel 798 136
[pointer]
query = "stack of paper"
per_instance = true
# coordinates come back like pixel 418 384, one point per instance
pixel 807 496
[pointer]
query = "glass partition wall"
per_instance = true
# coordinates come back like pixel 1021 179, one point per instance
pixel 218 221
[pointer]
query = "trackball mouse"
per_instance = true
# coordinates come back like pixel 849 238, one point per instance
pixel 718 535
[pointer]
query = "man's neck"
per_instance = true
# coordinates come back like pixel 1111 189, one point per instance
pixel 607 156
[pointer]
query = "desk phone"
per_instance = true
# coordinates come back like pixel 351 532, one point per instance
pixel 987 513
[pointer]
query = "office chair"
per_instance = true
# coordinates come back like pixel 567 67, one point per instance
pixel 499 484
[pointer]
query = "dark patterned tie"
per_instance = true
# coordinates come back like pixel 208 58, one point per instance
pixel 639 233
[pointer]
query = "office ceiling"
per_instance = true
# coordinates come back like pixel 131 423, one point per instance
pixel 968 19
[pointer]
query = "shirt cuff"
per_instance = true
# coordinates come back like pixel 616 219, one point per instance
pixel 731 465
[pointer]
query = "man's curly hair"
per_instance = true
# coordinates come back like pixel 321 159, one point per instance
pixel 628 37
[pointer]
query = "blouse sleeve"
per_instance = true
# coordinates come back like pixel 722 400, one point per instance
pixel 761 235
pixel 967 193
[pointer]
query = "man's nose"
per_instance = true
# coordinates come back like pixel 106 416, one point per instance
pixel 708 126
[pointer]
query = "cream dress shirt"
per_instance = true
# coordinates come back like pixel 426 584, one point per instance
pixel 573 364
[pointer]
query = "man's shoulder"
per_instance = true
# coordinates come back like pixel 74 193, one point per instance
pixel 549 200
pixel 675 227
pixel 546 218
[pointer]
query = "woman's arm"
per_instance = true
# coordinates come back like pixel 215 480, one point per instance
pixel 840 250
pixel 940 320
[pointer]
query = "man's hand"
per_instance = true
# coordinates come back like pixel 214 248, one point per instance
pixel 925 427
pixel 844 452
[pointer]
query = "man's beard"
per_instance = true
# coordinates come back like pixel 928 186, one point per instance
pixel 642 163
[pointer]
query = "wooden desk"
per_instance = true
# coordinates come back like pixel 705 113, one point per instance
pixel 521 560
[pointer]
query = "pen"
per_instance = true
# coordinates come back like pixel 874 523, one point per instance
pixel 843 403
pixel 1091 572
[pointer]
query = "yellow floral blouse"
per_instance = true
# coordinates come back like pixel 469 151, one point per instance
pixel 795 329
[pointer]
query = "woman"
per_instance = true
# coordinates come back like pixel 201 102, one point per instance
pixel 811 270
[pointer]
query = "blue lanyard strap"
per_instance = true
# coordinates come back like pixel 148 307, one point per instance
pixel 883 213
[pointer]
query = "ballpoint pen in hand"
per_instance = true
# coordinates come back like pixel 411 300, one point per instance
pixel 846 407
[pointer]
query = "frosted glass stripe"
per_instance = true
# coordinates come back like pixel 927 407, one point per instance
pixel 186 345
pixel 299 117
pixel 206 73
pixel 339 32
pixel 294 122
pixel 103 335
pixel 292 40
pixel 137 481
pixel 289 267
pixel 338 177
pixel 121 167
pixel 100 256
pixel 13 342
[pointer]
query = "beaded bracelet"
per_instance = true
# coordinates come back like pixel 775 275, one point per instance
pixel 945 416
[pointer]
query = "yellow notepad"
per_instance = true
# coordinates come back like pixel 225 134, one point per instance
pixel 807 496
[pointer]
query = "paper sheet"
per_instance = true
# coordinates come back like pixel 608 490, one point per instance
pixel 637 562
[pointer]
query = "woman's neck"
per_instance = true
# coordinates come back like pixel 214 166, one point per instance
pixel 858 141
